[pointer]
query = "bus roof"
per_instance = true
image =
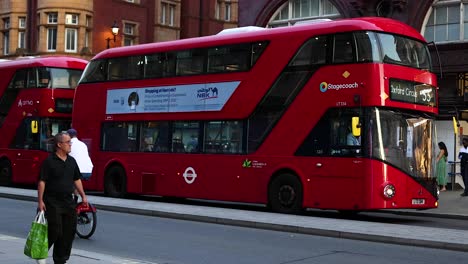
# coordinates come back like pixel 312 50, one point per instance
pixel 51 61
pixel 321 28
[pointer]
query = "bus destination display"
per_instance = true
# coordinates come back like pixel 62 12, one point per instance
pixel 412 92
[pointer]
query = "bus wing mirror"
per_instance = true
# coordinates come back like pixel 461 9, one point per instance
pixel 34 127
pixel 356 126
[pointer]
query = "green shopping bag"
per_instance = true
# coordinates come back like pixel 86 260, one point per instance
pixel 37 244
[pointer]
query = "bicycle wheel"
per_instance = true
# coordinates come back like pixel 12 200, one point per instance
pixel 86 224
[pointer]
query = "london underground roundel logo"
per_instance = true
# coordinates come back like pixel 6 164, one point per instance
pixel 323 87
pixel 189 175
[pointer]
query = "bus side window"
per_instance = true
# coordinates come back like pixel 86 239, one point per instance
pixel 177 145
pixel 114 70
pixel 126 68
pixel 229 58
pixel 146 140
pixel 313 52
pixel 367 48
pixel 161 137
pixel 343 48
pixel 24 138
pixel 119 136
pixel 95 71
pixel 185 136
pixel 190 62
pixel 19 80
pixel 329 136
pixel 154 66
pixel 46 136
pixel 73 80
pixel 44 79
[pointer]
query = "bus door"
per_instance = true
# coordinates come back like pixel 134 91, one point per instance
pixel 346 177
pixel 335 152
pixel 26 146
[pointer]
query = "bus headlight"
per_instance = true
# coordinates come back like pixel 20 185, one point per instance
pixel 389 191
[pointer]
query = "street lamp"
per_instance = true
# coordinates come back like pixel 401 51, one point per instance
pixel 115 31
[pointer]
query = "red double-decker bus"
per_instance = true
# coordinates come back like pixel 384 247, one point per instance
pixel 331 115
pixel 36 98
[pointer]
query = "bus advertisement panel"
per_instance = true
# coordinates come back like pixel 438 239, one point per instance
pixel 330 115
pixel 36 100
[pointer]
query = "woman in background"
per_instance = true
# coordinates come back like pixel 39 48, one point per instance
pixel 441 170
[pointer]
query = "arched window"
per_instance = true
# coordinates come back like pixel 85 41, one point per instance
pixel 448 21
pixel 300 10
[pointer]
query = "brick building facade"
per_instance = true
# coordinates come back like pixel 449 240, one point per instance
pixel 82 28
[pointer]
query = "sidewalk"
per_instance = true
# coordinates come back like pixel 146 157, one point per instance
pixel 451 205
pixel 11 252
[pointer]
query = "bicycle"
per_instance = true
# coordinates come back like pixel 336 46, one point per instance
pixel 86 220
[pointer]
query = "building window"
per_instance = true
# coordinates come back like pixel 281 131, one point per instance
pixel 6 23
pixel 71 19
pixel 129 28
pixel 223 10
pixel 6 43
pixel 86 39
pixel 294 11
pixel 128 41
pixel 163 13
pixel 167 14
pixel 6 36
pixel 52 18
pixel 51 39
pixel 171 15
pixel 227 12
pixel 21 40
pixel 88 21
pixel 129 34
pixel 447 22
pixel 217 9
pixel 22 22
pixel 70 39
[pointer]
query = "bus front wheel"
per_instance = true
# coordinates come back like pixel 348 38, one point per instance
pixel 285 194
pixel 115 184
pixel 5 172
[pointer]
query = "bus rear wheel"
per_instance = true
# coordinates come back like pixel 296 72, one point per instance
pixel 285 194
pixel 115 184
pixel 5 172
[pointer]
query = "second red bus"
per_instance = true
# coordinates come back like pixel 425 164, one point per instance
pixel 36 98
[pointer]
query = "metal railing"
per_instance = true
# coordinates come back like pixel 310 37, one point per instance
pixel 453 172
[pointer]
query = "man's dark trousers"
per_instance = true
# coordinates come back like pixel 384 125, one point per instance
pixel 61 219
pixel 465 178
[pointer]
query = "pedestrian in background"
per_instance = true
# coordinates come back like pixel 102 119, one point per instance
pixel 79 151
pixel 58 177
pixel 463 156
pixel 441 168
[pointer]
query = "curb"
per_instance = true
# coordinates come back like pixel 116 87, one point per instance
pixel 354 235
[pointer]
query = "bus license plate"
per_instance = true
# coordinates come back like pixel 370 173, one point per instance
pixel 419 201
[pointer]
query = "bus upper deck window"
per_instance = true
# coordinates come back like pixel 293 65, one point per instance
pixel 367 47
pixel 44 78
pixel 343 48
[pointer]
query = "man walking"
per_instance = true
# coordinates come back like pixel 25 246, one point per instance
pixel 58 176
pixel 463 156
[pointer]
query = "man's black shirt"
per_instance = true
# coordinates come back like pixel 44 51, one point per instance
pixel 59 175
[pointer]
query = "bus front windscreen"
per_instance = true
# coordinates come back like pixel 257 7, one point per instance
pixel 404 51
pixel 58 77
pixel 404 141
